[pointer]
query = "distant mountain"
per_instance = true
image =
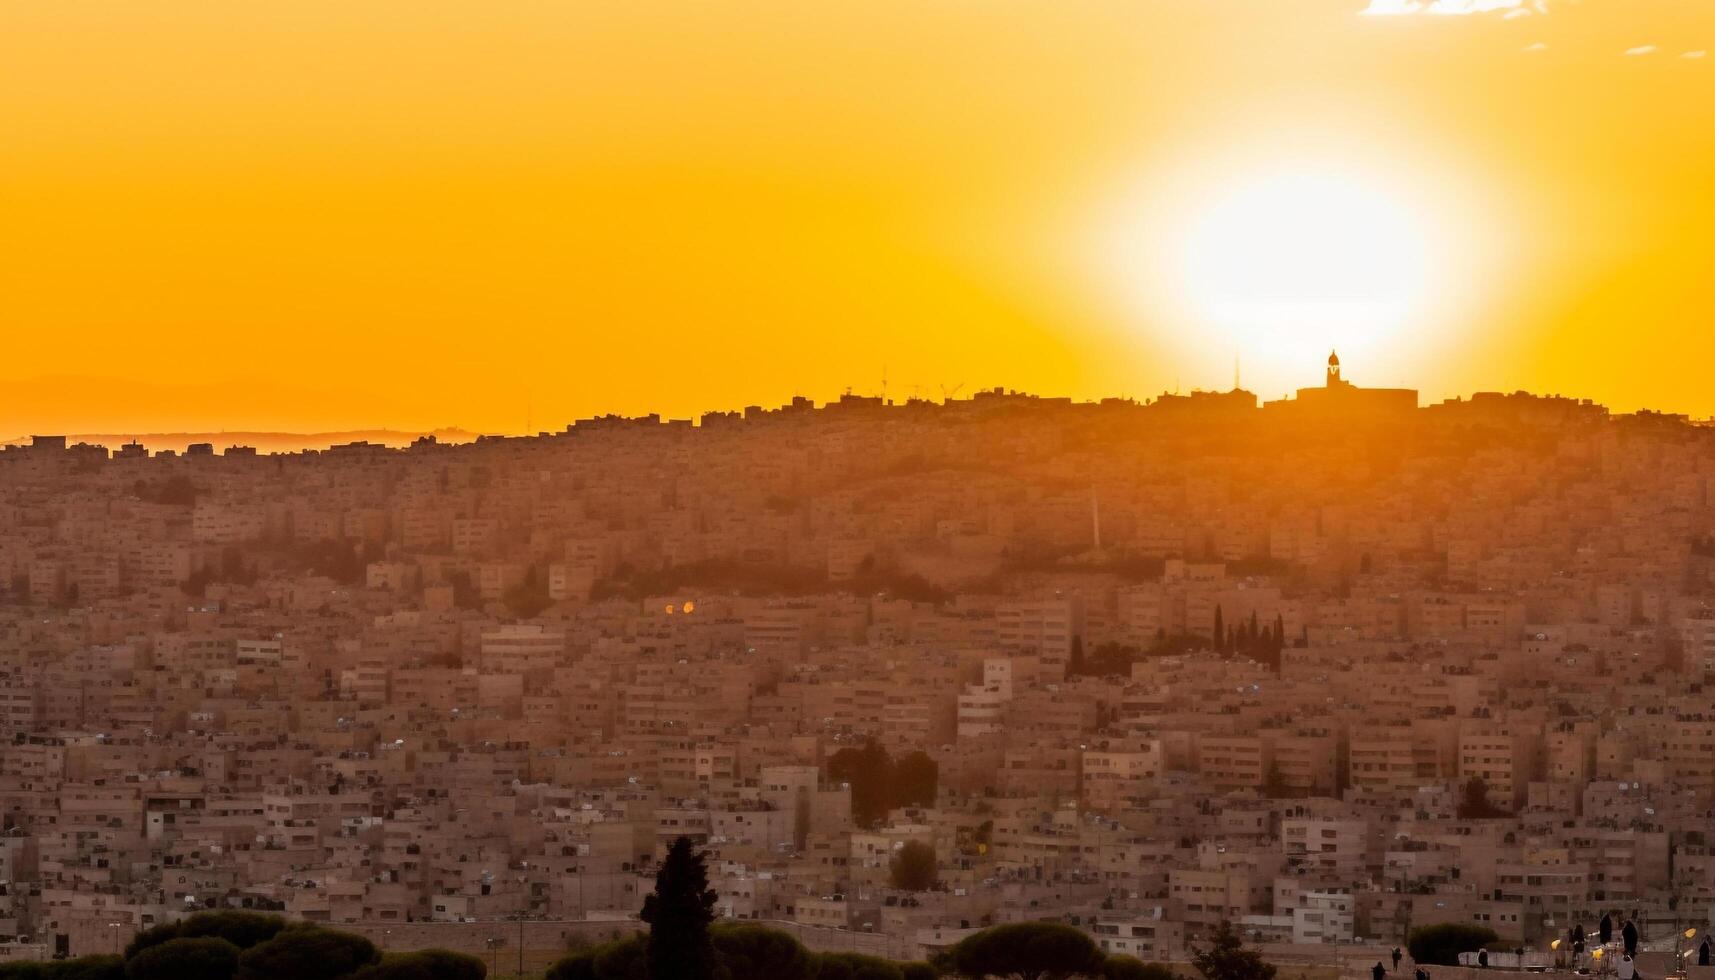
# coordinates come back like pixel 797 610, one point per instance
pixel 263 442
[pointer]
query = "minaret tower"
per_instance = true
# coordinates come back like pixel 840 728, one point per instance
pixel 1333 370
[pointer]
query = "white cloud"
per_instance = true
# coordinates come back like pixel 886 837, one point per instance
pixel 1452 8
pixel 1390 8
pixel 1538 46
pixel 1515 14
pixel 1641 49
pixel 1694 54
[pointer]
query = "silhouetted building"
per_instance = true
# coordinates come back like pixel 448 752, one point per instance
pixel 1340 398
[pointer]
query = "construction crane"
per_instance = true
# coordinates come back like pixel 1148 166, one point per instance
pixel 948 393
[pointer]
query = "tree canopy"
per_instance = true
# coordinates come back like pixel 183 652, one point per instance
pixel 306 952
pixel 240 928
pixel 856 966
pixel 425 964
pixel 1025 951
pixel 1132 968
pixel 914 867
pixel 81 968
pixel 202 958
pixel 880 784
pixel 743 951
pixel 1226 958
pixel 1441 944
pixel 753 952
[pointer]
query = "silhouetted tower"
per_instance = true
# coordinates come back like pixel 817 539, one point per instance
pixel 1333 369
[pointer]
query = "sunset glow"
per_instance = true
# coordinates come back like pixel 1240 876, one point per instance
pixel 484 215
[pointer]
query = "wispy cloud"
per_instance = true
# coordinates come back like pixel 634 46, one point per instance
pixel 1695 54
pixel 1538 46
pixel 1453 8
pixel 1640 50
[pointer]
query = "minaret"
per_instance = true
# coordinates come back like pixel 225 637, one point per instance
pixel 1333 370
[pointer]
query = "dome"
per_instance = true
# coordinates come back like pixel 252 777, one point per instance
pixel 1333 359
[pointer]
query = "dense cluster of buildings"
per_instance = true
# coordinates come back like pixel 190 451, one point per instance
pixel 1324 673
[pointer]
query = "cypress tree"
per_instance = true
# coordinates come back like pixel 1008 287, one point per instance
pixel 679 912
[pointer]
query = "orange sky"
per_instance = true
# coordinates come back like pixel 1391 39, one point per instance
pixel 328 213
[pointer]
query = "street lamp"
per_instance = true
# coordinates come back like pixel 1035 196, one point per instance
pixel 114 926
pixel 1679 958
pixel 523 911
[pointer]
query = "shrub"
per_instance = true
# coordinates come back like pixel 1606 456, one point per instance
pixel 1132 968
pixel 743 951
pixel 425 964
pixel 621 959
pixel 88 968
pixel 1441 945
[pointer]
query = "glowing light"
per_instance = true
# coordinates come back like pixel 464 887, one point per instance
pixel 1294 258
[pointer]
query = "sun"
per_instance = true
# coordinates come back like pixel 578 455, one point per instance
pixel 1244 252
pixel 1281 262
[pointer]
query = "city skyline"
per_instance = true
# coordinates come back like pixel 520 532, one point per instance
pixel 287 441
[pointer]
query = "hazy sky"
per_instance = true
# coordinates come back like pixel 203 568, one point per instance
pixel 331 213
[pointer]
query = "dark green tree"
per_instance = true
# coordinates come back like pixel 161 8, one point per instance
pixel 102 967
pixel 1226 958
pixel 205 958
pixel 1475 805
pixel 425 964
pixel 679 912
pixel 916 780
pixel 307 952
pixel 1025 951
pixel 622 959
pixel 1132 968
pixel 856 966
pixel 240 928
pixel 914 867
pixel 869 771
pixel 753 952
pixel 1441 945
pixel 529 598
pixel 742 951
